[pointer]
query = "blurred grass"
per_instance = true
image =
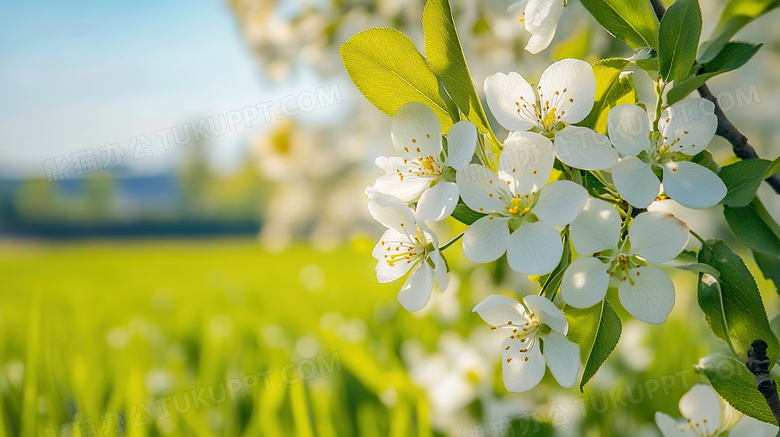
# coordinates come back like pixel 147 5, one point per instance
pixel 101 327
pixel 95 333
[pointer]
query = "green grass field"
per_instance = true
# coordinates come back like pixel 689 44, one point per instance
pixel 221 338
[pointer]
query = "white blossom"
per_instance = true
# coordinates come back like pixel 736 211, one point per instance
pixel 706 416
pixel 408 246
pixel 540 18
pixel 425 171
pixel 646 292
pixel 521 211
pixel 532 326
pixel 684 130
pixel 566 94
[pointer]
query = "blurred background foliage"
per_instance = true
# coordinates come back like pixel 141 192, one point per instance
pixel 130 302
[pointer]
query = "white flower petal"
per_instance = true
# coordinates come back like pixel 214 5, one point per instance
pixel 518 7
pixel 418 287
pixel 597 228
pixel 391 212
pixel 509 97
pixel 562 357
pixel 541 21
pixel 750 427
pixel 524 370
pixel 407 189
pixel 391 164
pixel 486 240
pixel 669 427
pixel 584 148
pixel 440 270
pixel 527 160
pixel 438 202
pixel 560 202
pixel 636 182
pixel 629 129
pixel 570 87
pixel 497 310
pixel 657 236
pixel 585 282
pixel 689 124
pixel 650 298
pixel 476 183
pixel 547 312
pixel 392 242
pixel 702 406
pixel 416 132
pixel 461 143
pixel 693 185
pixel 534 248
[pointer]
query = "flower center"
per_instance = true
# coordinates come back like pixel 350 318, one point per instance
pixel 526 334
pixel 520 205
pixel 427 166
pixel 415 249
pixel 620 265
pixel 662 150
pixel 700 429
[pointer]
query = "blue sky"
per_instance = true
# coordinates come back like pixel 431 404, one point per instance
pixel 80 74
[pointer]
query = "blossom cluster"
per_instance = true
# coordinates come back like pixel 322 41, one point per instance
pixel 535 196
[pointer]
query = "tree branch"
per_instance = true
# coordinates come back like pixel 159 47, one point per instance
pixel 758 364
pixel 739 142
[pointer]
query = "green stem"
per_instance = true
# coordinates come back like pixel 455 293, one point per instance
pixel 697 236
pixel 607 186
pixel 451 242
pixel 659 94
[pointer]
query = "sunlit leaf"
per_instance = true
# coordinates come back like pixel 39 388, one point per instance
pixel 733 56
pixel 611 90
pixel 387 68
pixel 632 21
pixel 597 330
pixel 736 15
pixel 678 40
pixel 447 61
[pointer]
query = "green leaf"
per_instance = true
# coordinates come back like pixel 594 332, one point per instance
pixel 595 187
pixel 733 56
pixel 575 46
pixel 736 15
pixel 733 382
pixel 597 331
pixel 679 39
pixel 465 215
pixel 611 90
pixel 387 68
pixel 732 303
pixel 646 58
pixel 445 56
pixel 699 267
pixel 769 266
pixel 632 21
pixel 773 169
pixel 552 281
pixel 742 180
pixel 704 158
pixel 752 230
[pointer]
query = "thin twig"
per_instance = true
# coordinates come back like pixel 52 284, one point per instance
pixel 758 363
pixel 451 242
pixel 739 142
